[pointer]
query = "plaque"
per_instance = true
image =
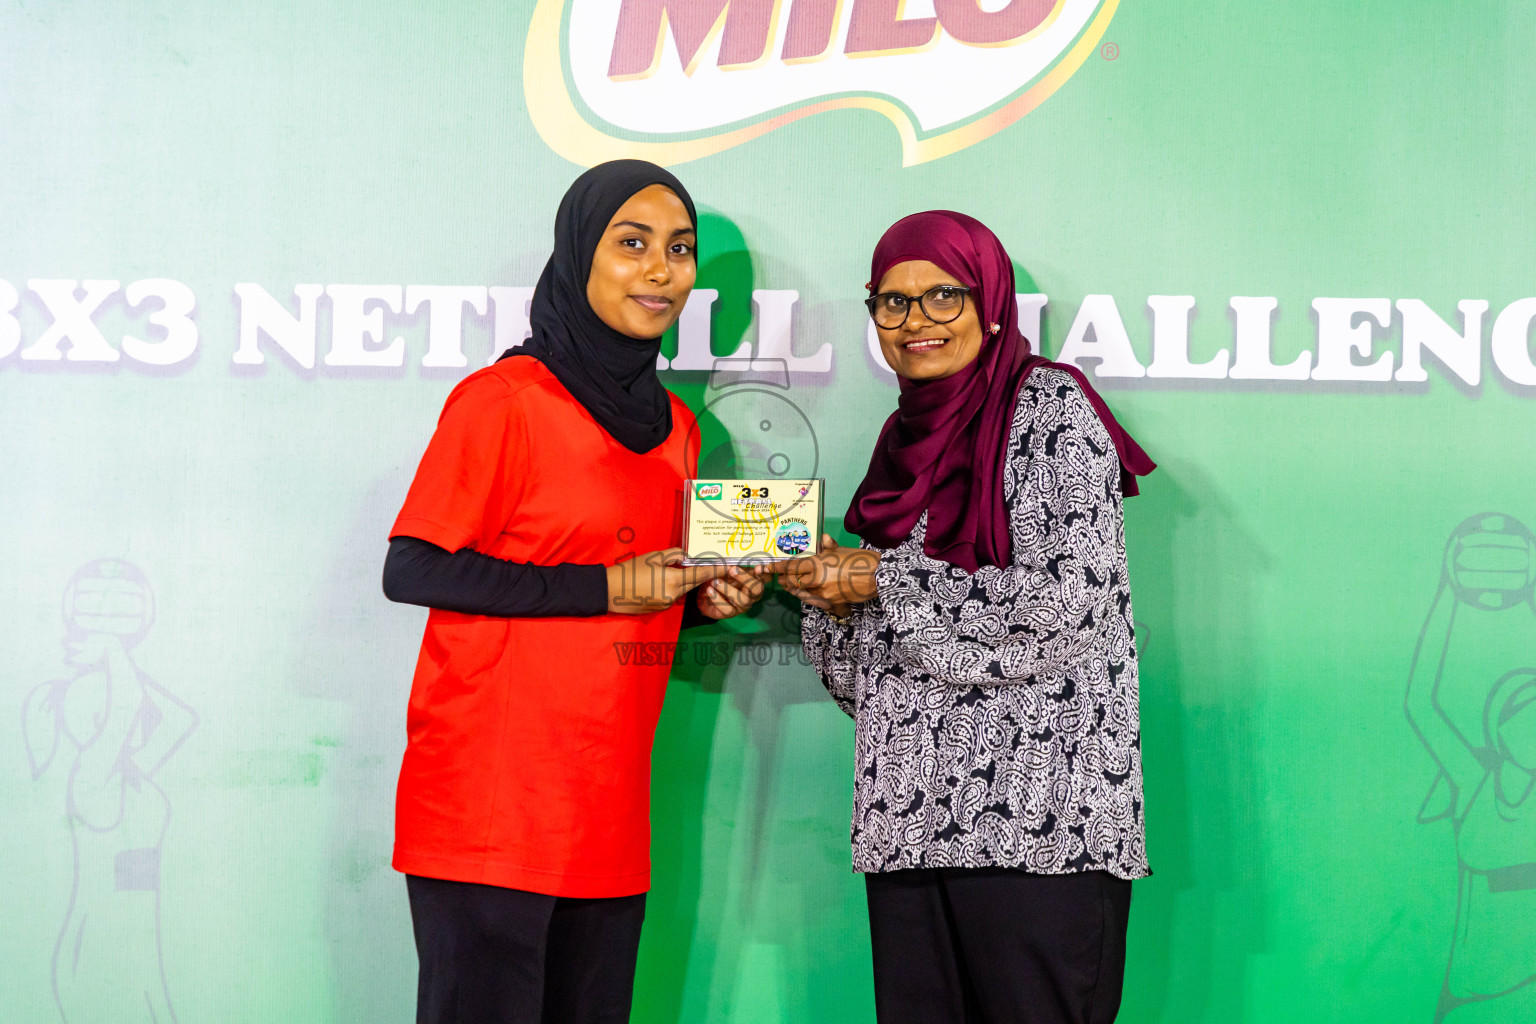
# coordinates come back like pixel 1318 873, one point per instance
pixel 750 521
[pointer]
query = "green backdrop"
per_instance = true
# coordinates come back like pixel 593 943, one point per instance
pixel 198 829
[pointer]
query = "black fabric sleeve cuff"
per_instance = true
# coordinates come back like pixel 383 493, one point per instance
pixel 691 614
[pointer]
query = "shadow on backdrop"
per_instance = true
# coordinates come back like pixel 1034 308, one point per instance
pixel 684 749
pixel 1193 567
pixel 750 939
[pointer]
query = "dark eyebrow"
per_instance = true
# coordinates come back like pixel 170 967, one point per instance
pixel 690 230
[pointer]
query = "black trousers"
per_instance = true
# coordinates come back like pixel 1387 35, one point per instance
pixel 504 956
pixel 997 946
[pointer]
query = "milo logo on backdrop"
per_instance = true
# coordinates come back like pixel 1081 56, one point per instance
pixel 675 80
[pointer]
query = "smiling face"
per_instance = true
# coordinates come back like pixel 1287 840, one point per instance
pixel 921 349
pixel 644 266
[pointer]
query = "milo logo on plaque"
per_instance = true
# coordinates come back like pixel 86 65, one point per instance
pixel 676 80
pixel 708 490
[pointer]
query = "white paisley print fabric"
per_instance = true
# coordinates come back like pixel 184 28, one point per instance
pixel 996 716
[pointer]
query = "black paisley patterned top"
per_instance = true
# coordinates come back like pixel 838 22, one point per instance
pixel 996 718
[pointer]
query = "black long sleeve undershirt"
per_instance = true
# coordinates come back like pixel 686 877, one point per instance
pixel 419 572
pixel 466 581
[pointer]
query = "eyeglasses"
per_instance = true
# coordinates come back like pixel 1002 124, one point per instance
pixel 940 304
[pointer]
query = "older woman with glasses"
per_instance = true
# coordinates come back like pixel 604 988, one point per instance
pixel 981 639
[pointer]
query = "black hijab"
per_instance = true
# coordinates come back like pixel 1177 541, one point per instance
pixel 612 375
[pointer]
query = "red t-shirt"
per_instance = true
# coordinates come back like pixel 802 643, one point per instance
pixel 528 763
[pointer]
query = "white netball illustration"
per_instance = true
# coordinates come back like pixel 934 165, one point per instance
pixel 1472 701
pixel 111 728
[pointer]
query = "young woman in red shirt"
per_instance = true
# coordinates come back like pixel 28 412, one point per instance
pixel 522 815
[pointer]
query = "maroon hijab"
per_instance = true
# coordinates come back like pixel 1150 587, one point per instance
pixel 944 447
